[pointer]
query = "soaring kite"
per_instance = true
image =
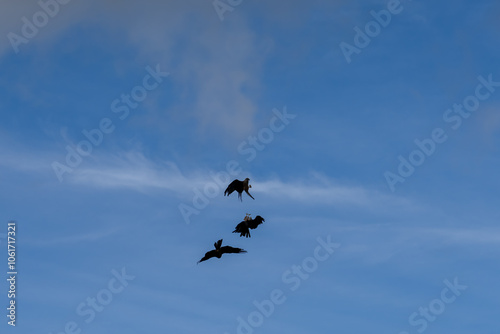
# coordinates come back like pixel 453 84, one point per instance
pixel 218 251
pixel 248 223
pixel 239 186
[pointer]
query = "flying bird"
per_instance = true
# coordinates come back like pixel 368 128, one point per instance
pixel 248 223
pixel 218 251
pixel 239 186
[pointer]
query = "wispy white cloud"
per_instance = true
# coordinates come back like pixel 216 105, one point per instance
pixel 481 236
pixel 76 238
pixel 16 156
pixel 324 190
pixel 214 71
pixel 133 170
pixel 14 16
pixel 217 70
pixel 379 244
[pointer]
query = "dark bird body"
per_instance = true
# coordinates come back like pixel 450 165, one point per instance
pixel 239 186
pixel 244 227
pixel 218 251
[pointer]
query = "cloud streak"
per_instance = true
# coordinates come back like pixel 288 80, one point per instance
pixel 76 238
pixel 133 170
pixel 324 191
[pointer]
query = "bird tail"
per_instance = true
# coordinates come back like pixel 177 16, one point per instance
pixel 242 230
pixel 249 194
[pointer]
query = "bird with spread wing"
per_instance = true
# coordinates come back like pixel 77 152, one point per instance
pixel 248 223
pixel 239 186
pixel 218 251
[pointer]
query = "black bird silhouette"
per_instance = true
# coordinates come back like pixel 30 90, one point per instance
pixel 239 186
pixel 248 223
pixel 218 251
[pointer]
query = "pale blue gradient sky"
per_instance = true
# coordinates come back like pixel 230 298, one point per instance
pixel 322 175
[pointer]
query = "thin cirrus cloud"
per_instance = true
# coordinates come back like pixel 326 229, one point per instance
pixel 133 170
pixel 212 74
pixel 376 244
pixel 73 239
pixel 482 236
pixel 215 82
pixel 15 14
pixel 323 191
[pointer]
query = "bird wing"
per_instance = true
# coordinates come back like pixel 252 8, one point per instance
pixel 255 222
pixel 242 228
pixel 239 227
pixel 208 255
pixel 229 249
pixel 235 185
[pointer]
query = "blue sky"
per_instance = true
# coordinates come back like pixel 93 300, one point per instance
pixel 204 94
